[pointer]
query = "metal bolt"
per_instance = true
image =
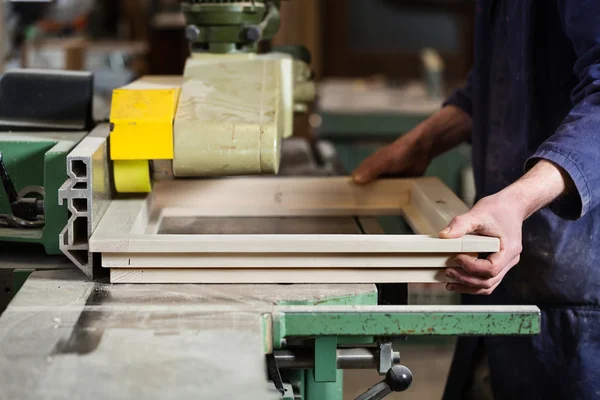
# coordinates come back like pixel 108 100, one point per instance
pixel 252 33
pixel 192 33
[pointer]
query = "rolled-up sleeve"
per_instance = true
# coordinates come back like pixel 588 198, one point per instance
pixel 575 146
pixel 462 97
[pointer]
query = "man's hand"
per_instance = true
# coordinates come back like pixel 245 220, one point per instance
pixel 492 216
pixel 411 154
pixel 502 215
pixel 407 156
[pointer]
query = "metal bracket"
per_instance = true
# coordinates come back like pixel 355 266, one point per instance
pixel 326 359
pixel 387 357
pixel 87 193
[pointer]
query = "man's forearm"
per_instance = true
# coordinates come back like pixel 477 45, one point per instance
pixel 540 186
pixel 444 130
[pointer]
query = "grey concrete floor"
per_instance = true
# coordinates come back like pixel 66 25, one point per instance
pixel 429 364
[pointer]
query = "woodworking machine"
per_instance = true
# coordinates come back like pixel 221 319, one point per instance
pixel 229 114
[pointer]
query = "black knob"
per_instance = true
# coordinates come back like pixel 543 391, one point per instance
pixel 399 378
pixel 252 33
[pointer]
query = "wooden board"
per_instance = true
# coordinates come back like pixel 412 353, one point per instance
pixel 135 246
pixel 269 196
pixel 275 275
pixel 282 261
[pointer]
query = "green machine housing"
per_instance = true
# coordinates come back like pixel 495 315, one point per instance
pixel 37 131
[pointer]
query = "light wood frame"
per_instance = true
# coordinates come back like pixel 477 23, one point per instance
pixel 128 239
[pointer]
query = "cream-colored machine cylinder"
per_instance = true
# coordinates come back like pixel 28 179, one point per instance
pixel 233 112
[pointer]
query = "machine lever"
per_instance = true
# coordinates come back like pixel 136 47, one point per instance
pixel 274 374
pixel 397 379
pixel 25 212
pixel 9 188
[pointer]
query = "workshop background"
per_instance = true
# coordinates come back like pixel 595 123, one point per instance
pixel 382 66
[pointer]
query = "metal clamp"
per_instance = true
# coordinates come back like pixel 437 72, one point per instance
pixel 387 357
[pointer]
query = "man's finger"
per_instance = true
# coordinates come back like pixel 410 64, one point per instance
pixel 481 267
pixel 464 289
pixel 460 226
pixel 371 168
pixel 507 254
pixel 484 267
pixel 463 279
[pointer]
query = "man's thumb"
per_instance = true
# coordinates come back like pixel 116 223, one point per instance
pixel 458 227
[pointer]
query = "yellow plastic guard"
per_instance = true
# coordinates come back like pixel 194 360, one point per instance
pixel 132 176
pixel 142 121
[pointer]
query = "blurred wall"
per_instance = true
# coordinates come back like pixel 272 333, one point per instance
pixel 386 36
pixel 381 26
pixel 3 37
pixel 301 25
pixel 365 37
pixel 353 38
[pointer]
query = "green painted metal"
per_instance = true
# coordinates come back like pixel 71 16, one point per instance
pixel 325 359
pixel 32 161
pixel 324 390
pixel 295 377
pixel 369 298
pixel 348 126
pixel 289 392
pixel 426 323
pixel 25 164
pixel 303 381
pixel 221 26
pixel 209 13
pixel 355 340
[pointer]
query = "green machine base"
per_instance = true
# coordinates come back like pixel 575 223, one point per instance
pixel 357 321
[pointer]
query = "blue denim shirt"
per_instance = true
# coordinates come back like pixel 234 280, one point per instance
pixel 534 93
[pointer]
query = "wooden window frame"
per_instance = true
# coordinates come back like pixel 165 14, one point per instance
pixel 128 239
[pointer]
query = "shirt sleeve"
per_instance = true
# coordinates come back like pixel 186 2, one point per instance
pixel 462 97
pixel 575 146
